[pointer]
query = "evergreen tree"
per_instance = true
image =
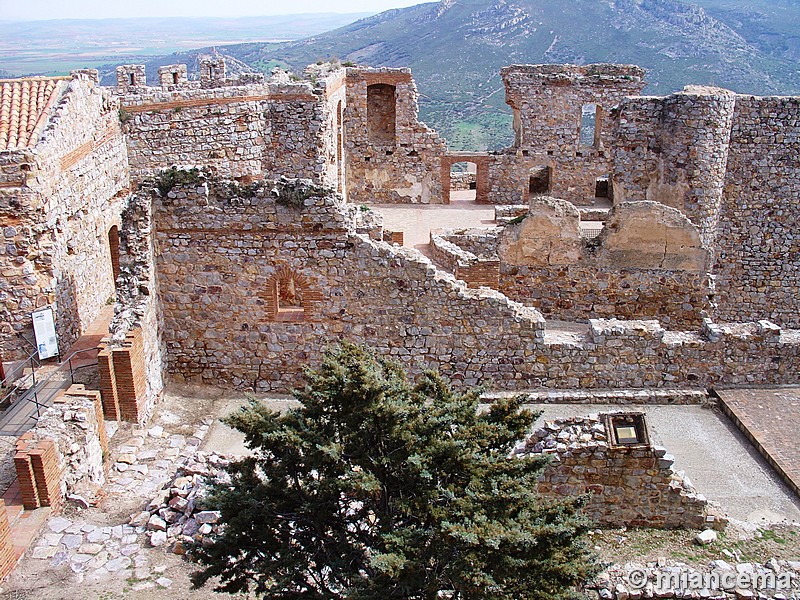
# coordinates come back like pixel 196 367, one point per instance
pixel 376 488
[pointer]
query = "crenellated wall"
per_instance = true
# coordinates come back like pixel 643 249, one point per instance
pixel 240 131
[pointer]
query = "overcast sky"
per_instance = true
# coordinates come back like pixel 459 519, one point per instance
pixel 88 9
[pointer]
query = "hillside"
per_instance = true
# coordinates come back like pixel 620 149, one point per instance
pixel 456 48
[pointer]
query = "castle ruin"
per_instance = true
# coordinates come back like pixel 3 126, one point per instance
pixel 223 217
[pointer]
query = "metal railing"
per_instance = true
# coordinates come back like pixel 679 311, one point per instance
pixel 588 233
pixel 41 391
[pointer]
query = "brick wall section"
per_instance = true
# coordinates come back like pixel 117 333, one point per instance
pixel 129 373
pixel 108 382
pixel 47 473
pixel 123 378
pixel 39 473
pixel 26 477
pixel 8 558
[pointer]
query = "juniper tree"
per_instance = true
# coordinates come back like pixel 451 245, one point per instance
pixel 377 488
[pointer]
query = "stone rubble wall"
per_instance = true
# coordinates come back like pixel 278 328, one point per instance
pixel 406 171
pixel 57 249
pixel 545 263
pixel 75 423
pixel 547 102
pixel 628 486
pixel 216 258
pixel 674 150
pixel 241 131
pixel 758 272
pixel 135 330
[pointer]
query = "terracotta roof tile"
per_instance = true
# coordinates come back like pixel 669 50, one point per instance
pixel 24 107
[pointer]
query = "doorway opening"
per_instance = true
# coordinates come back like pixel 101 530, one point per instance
pixel 464 181
pixel 539 180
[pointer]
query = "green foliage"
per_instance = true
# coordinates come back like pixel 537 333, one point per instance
pixel 377 488
pixel 169 178
pixel 124 116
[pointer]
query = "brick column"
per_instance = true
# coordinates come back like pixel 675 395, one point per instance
pixel 8 558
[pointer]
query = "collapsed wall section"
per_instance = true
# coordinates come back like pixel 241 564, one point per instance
pixel 559 114
pixel 674 150
pixel 391 157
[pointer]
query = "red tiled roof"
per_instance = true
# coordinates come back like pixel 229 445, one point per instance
pixel 24 108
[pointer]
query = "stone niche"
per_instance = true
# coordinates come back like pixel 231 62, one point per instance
pixel 549 235
pixel 649 235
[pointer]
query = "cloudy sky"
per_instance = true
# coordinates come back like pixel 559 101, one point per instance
pixel 87 9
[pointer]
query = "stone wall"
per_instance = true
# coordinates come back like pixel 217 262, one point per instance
pixel 57 247
pixel 131 358
pixel 75 423
pixel 674 150
pixel 547 101
pixel 221 262
pixel 402 168
pixel 758 272
pixel 241 131
pixel 629 486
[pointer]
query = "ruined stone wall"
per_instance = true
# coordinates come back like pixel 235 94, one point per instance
pixel 758 272
pixel 243 132
pixel 132 358
pixel 547 101
pixel 225 267
pixel 648 263
pixel 75 188
pixel 332 81
pixel 403 168
pixel 674 150
pixel 628 486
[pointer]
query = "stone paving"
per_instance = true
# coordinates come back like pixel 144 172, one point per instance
pixel 770 418
pixel 144 463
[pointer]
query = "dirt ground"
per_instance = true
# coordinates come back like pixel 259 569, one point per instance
pixel 183 411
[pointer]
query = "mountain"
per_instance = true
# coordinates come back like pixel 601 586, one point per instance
pixel 457 47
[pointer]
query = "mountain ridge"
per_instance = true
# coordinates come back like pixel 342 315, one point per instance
pixel 456 47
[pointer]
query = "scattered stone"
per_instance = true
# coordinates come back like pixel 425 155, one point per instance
pixel 164 582
pixel 158 538
pixel 705 537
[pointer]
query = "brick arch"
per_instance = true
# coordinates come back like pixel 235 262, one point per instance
pixel 481 177
pixel 291 296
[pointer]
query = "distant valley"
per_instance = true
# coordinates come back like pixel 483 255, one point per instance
pixel 56 47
